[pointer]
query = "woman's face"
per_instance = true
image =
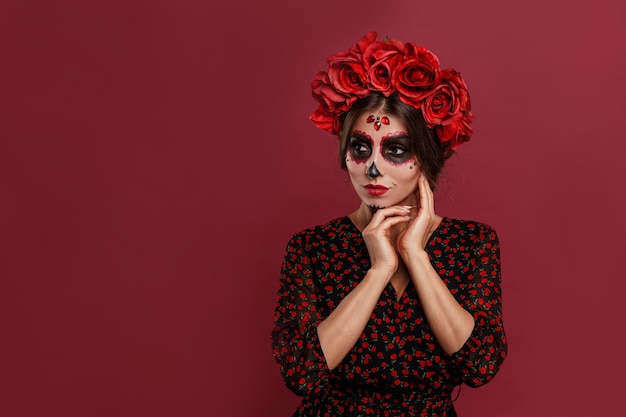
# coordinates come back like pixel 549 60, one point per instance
pixel 379 159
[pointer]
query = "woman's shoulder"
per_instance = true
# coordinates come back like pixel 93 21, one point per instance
pixel 334 229
pixel 472 229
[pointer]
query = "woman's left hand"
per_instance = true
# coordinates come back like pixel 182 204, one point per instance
pixel 415 237
pixel 449 321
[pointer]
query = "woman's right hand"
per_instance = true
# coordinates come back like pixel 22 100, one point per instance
pixel 339 332
pixel 378 238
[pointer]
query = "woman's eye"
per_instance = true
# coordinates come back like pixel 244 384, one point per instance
pixel 396 150
pixel 359 149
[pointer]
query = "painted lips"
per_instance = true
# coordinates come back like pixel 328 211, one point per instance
pixel 376 189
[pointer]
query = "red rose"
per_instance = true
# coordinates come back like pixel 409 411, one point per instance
pixel 457 132
pixel 332 103
pixel 326 94
pixel 378 59
pixel 447 108
pixel 364 43
pixel 416 74
pixel 325 121
pixel 445 103
pixel 348 76
pixel 346 71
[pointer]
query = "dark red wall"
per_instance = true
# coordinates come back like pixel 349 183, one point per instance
pixel 156 156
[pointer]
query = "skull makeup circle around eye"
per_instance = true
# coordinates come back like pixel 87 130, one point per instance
pixel 360 147
pixel 396 149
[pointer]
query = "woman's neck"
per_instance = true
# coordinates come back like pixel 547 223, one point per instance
pixel 362 216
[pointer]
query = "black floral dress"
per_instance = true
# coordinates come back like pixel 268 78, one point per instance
pixel 396 368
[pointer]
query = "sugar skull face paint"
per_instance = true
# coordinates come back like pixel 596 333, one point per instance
pixel 380 162
pixel 372 171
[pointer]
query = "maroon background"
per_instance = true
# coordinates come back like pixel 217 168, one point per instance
pixel 156 156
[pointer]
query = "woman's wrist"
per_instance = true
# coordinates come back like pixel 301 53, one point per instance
pixel 382 273
pixel 414 254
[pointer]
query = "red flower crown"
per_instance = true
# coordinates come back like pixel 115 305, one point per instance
pixel 389 66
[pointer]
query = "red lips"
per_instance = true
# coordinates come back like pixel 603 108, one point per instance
pixel 375 189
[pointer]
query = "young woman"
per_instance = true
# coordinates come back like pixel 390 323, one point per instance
pixel 383 312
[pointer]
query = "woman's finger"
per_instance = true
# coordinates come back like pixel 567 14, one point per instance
pixel 383 230
pixel 388 212
pixel 392 221
pixel 426 194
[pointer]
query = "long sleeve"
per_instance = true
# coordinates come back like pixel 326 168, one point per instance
pixel 295 343
pixel 482 355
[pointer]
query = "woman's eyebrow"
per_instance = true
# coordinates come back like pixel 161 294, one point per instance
pixel 357 134
pixel 396 135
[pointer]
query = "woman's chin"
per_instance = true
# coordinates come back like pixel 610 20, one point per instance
pixel 380 203
pixel 375 203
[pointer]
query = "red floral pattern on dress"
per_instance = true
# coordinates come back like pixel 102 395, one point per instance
pixel 396 367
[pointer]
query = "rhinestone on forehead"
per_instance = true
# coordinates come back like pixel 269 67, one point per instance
pixel 378 121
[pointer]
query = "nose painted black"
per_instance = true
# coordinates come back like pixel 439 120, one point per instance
pixel 372 171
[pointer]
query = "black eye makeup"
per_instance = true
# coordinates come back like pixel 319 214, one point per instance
pixel 360 147
pixel 397 149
